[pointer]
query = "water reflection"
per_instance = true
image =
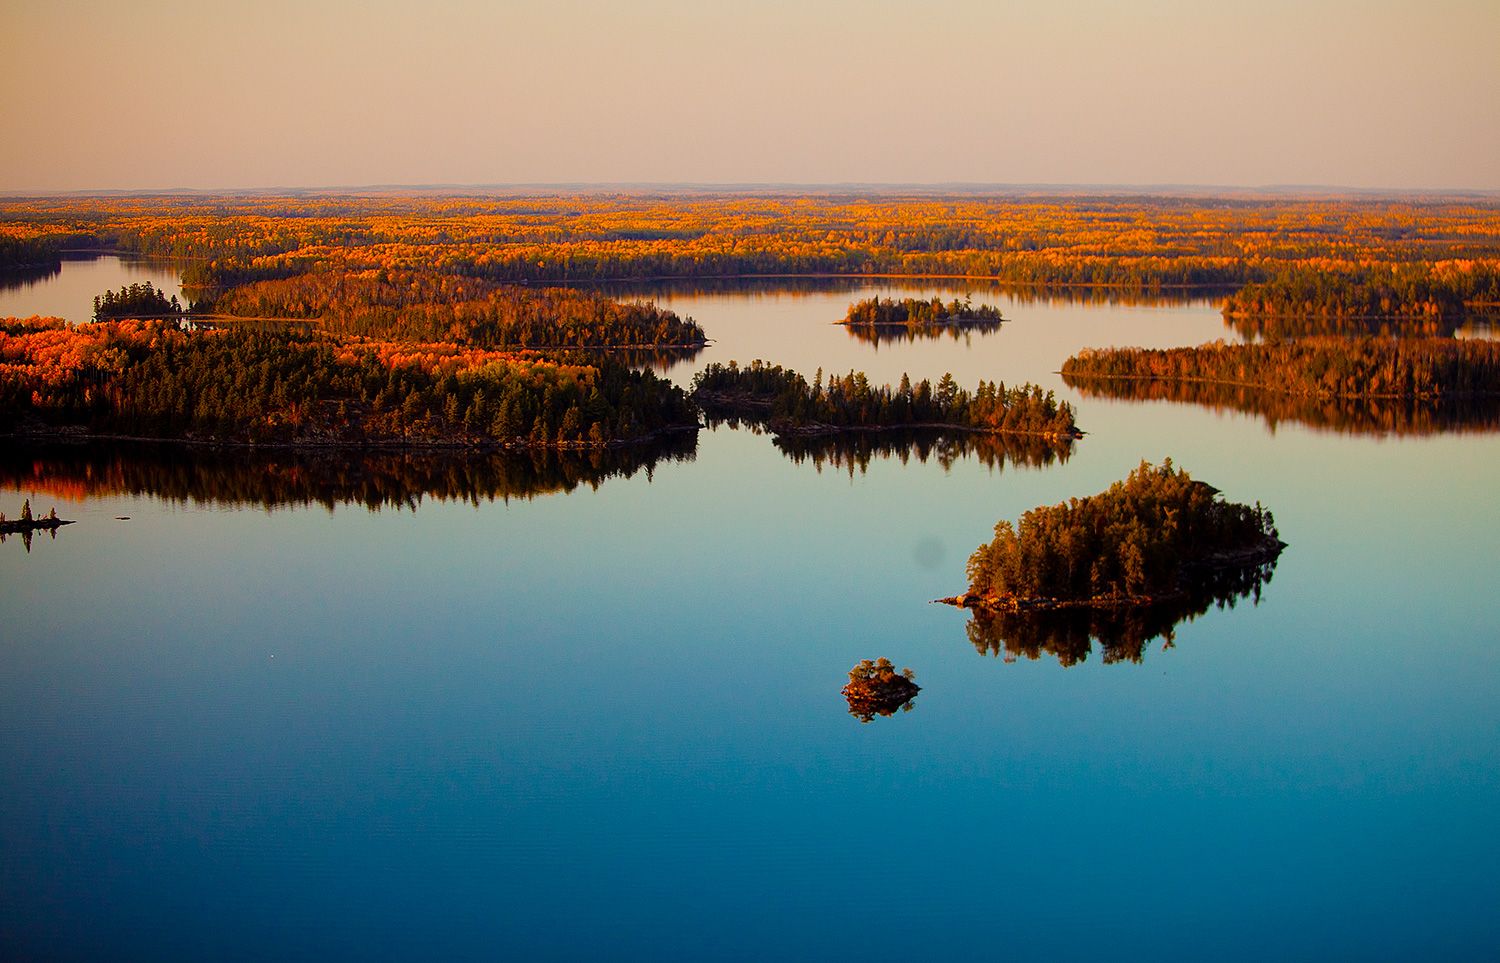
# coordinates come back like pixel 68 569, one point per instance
pixel 272 479
pixel 22 278
pixel 876 335
pixel 1356 416
pixel 1122 632
pixel 1289 327
pixel 854 451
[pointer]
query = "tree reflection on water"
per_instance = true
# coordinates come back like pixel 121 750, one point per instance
pixel 305 477
pixel 1068 634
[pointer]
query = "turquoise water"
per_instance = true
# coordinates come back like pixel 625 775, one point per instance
pixel 607 723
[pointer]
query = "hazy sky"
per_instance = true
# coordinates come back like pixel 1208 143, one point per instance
pixel 157 94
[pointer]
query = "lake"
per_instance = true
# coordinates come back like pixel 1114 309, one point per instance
pixel 601 717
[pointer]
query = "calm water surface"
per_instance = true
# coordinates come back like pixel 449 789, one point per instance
pixel 607 723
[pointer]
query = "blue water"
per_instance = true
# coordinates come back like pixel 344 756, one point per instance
pixel 607 724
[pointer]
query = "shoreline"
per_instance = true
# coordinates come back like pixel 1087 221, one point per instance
pixel 68 435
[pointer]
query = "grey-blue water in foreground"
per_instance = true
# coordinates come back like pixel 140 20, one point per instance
pixel 605 723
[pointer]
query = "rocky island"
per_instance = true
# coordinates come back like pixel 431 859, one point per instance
pixel 877 689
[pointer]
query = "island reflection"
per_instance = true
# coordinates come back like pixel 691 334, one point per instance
pixel 876 335
pixel 329 478
pixel 1355 416
pixel 1068 634
pixel 854 451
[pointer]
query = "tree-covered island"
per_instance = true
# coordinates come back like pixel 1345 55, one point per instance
pixel 153 380
pixel 1149 538
pixel 791 406
pixel 136 301
pixel 917 313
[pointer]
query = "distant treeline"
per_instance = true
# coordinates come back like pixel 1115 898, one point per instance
pixel 1445 290
pixel 149 379
pixel 429 306
pixel 1427 368
pixel 916 313
pixel 136 301
pixel 303 477
pixel 786 400
pixel 1145 537
pixel 38 251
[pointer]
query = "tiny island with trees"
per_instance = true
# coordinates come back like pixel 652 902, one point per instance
pixel 874 318
pixel 877 689
pixel 1146 539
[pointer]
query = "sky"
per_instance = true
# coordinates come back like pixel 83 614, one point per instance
pixel 156 94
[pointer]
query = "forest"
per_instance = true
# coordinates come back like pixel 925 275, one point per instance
pixel 424 305
pixel 151 379
pixel 784 399
pixel 1336 255
pixel 1324 367
pixel 1146 538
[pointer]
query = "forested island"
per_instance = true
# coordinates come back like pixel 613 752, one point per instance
pixel 150 379
pixel 789 405
pixel 428 305
pixel 136 301
pixel 915 314
pixel 1323 367
pixel 1150 538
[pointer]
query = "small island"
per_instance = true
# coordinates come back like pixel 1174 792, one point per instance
pixel 27 523
pixel 1152 538
pixel 785 401
pixel 136 301
pixel 877 689
pixel 875 320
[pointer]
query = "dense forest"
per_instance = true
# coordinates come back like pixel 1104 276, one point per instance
pixel 1327 255
pixel 136 301
pixel 1448 289
pixel 1147 537
pixel 330 478
pixel 428 306
pixel 1420 368
pixel 785 400
pixel 149 379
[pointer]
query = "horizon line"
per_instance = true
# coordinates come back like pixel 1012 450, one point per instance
pixel 784 187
